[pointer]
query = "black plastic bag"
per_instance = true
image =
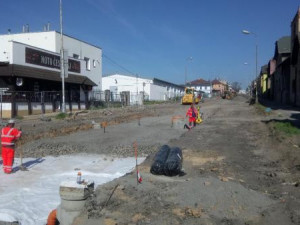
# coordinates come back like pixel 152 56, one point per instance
pixel 160 158
pixel 173 164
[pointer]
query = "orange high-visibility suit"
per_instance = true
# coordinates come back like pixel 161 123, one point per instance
pixel 190 113
pixel 8 137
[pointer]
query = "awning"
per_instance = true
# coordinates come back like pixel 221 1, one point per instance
pixel 42 74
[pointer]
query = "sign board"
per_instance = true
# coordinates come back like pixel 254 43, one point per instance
pixel 36 57
pixel 4 89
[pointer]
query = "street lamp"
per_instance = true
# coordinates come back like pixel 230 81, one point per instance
pixel 62 58
pixel 246 32
pixel 187 59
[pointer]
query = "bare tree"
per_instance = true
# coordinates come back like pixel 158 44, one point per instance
pixel 236 86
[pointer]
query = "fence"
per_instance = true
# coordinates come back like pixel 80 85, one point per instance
pixel 125 98
pixel 21 103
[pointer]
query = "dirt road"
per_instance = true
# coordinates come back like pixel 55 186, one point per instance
pixel 236 173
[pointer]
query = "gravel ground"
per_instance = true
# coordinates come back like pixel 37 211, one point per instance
pixel 118 139
pixel 233 175
pixel 238 171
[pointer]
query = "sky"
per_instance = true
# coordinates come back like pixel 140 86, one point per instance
pixel 172 40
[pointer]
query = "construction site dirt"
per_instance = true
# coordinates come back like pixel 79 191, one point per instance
pixel 237 169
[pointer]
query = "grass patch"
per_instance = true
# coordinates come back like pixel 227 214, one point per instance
pixel 287 128
pixel 153 102
pixel 97 107
pixel 61 116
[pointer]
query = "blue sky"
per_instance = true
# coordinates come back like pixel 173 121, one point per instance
pixel 154 38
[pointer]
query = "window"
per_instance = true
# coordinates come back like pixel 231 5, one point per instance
pixel 94 63
pixel 87 63
pixel 75 56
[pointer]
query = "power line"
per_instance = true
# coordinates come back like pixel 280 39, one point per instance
pixel 117 64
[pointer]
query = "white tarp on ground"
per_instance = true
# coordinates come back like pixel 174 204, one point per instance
pixel 29 196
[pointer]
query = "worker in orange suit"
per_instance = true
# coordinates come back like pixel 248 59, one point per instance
pixel 192 114
pixel 9 135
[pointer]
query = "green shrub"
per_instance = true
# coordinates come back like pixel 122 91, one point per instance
pixel 61 116
pixel 19 117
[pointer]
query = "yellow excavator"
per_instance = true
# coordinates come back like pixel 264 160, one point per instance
pixel 190 96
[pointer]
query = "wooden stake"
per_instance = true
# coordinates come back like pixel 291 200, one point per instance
pixel 136 164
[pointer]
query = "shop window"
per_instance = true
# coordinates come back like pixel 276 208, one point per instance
pixel 87 63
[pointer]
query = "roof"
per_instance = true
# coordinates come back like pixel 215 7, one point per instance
pixel 283 45
pixel 126 75
pixel 153 79
pixel 32 72
pixel 79 40
pixel 216 82
pixel 295 21
pixel 264 69
pixel 200 82
pixel 166 82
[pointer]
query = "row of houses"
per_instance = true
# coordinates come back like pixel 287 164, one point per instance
pixel 279 79
pixel 210 88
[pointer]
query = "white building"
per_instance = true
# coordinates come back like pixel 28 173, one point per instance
pixel 30 62
pixel 202 85
pixel 152 89
pixel 90 56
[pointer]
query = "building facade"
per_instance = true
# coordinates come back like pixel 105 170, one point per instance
pixel 282 72
pixel 30 72
pixel 150 89
pixel 203 86
pixel 219 87
pixel 295 61
pixel 262 91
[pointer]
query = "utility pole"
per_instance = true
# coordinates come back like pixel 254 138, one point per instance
pixel 186 72
pixel 137 90
pixel 256 56
pixel 62 66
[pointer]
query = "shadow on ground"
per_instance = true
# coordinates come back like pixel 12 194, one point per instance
pixel 294 122
pixel 28 164
pixel 274 105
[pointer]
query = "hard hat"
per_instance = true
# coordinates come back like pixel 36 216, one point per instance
pixel 11 121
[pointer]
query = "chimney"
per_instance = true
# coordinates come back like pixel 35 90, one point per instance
pixel 27 28
pixel 23 29
pixel 9 31
pixel 48 26
pixel 45 28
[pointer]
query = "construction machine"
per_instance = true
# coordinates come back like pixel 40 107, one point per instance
pixel 190 96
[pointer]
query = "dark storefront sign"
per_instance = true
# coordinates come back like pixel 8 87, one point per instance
pixel 40 58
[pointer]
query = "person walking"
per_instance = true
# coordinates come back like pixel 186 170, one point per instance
pixel 9 135
pixel 192 114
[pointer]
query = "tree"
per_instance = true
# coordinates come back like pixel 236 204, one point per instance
pixel 236 86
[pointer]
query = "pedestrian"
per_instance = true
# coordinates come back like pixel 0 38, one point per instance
pixel 192 114
pixel 9 135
